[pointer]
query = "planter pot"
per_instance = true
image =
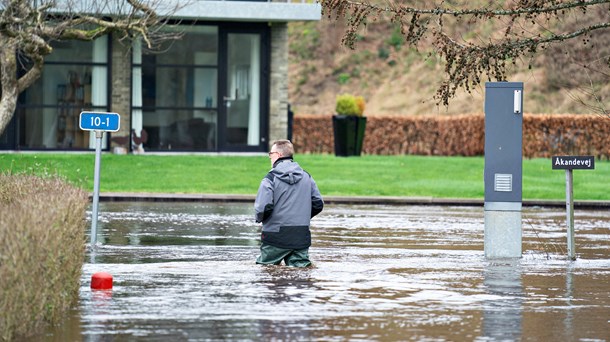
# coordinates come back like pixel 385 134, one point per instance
pixel 349 134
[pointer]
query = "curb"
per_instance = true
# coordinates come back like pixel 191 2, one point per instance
pixel 378 200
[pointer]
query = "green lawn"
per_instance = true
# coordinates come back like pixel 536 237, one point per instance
pixel 441 177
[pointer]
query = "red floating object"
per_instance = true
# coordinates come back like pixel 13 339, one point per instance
pixel 101 281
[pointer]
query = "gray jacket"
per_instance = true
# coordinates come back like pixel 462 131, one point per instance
pixel 287 199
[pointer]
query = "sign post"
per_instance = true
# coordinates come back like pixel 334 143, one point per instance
pixel 570 163
pixel 99 123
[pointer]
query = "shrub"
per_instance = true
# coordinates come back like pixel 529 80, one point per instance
pixel 343 78
pixel 42 239
pixel 348 104
pixel 383 53
pixel 360 103
pixel 396 39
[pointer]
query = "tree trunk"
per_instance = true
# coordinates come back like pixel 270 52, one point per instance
pixel 8 71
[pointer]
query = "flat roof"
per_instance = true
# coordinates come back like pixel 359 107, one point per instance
pixel 254 11
pixel 210 10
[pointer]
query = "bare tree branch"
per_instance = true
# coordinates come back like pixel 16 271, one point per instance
pixel 530 27
pixel 591 99
pixel 27 28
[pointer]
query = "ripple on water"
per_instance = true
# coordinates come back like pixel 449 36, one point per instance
pixel 186 271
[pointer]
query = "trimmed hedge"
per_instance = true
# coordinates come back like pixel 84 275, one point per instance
pixel 42 249
pixel 548 135
pixel 460 135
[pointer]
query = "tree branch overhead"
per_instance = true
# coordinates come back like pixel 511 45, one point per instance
pixel 529 27
pixel 27 29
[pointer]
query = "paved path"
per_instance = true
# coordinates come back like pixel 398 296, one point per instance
pixel 387 200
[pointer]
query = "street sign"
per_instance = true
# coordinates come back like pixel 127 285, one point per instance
pixel 573 162
pixel 99 121
pixel 570 163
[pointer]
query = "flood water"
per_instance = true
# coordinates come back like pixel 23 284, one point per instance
pixel 186 272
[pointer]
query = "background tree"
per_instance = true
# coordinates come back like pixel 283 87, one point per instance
pixel 578 30
pixel 29 27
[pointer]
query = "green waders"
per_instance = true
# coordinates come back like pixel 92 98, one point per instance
pixel 271 255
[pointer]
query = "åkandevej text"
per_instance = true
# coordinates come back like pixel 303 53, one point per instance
pixel 573 162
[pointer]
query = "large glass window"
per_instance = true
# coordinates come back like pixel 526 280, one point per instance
pixel 243 79
pixel 174 96
pixel 74 79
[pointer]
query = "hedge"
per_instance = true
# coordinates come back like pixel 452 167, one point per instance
pixel 460 135
pixel 42 248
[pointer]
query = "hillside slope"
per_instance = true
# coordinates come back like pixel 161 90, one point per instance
pixel 397 80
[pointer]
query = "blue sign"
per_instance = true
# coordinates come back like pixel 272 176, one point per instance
pixel 96 121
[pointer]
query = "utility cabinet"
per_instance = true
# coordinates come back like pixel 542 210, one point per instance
pixel 503 169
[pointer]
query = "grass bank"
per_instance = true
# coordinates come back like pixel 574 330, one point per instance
pixel 42 239
pixel 371 175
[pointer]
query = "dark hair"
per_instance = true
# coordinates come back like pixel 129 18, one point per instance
pixel 284 147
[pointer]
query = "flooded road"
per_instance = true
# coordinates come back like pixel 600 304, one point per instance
pixel 186 272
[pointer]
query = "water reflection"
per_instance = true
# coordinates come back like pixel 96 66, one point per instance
pixel 569 320
pixel 503 313
pixel 185 271
pixel 288 290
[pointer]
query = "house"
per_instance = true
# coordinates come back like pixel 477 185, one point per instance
pixel 221 88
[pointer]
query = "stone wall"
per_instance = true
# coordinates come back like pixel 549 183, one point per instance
pixel 278 90
pixel 120 98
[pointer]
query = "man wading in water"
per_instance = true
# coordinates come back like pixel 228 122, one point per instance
pixel 287 199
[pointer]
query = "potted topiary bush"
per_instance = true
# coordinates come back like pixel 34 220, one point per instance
pixel 349 125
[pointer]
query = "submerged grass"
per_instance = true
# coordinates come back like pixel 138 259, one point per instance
pixel 42 239
pixel 369 175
